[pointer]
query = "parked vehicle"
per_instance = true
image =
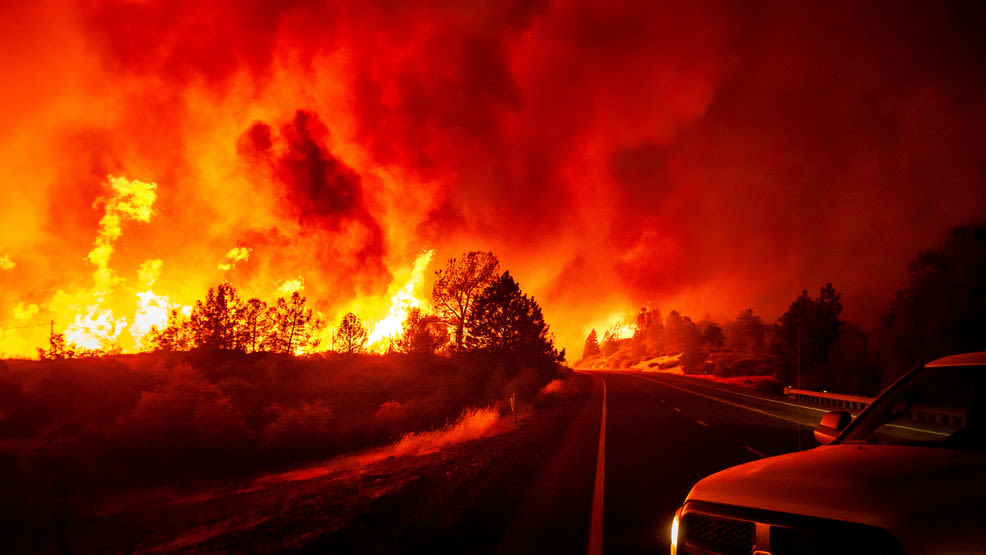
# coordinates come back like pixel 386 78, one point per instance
pixel 908 475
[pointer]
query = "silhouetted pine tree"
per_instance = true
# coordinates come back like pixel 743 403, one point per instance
pixel 591 348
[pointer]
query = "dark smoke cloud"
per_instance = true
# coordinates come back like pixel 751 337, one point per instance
pixel 184 40
pixel 716 154
pixel 845 138
pixel 768 148
pixel 315 187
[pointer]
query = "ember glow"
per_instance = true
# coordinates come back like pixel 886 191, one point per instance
pixel 699 156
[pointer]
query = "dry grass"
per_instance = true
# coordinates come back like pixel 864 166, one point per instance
pixel 76 429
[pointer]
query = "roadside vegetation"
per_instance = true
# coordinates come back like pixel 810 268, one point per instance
pixel 167 418
pixel 237 388
pixel 940 312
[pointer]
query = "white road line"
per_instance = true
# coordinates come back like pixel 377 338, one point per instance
pixel 725 402
pixel 754 451
pixel 756 398
pixel 702 423
pixel 596 520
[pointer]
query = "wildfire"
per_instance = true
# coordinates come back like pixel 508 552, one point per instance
pixel 401 303
pixel 117 314
pixel 95 326
pixel 288 286
pixel 621 330
pixel 618 326
pixel 234 256
pixel 152 310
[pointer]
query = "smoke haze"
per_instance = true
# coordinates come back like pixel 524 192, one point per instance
pixel 702 156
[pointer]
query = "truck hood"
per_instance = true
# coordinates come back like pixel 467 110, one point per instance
pixel 907 490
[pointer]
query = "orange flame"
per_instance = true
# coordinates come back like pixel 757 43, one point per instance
pixel 401 303
pixel 234 256
pixel 152 310
pixel 95 327
pixel 117 314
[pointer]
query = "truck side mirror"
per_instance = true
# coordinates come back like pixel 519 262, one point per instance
pixel 831 425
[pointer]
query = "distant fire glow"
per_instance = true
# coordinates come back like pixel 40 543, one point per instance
pixel 620 330
pixel 696 157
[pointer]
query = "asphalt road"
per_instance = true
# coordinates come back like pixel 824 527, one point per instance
pixel 664 433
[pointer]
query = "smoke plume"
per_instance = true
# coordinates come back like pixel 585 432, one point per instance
pixel 706 156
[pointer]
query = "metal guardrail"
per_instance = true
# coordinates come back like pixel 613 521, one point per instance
pixel 856 403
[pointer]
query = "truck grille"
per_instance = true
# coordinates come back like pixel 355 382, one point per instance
pixel 719 535
pixel 713 529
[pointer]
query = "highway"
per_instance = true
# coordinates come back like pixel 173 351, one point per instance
pixel 664 433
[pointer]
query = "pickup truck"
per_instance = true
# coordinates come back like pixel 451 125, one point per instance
pixel 908 475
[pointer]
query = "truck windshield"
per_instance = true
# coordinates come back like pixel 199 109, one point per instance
pixel 935 406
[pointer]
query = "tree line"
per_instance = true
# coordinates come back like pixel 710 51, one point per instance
pixel 482 313
pixel 939 313
pixel 225 322
pixel 479 311
pixel 797 349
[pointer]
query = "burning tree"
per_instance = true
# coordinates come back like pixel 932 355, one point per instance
pixel 591 348
pixel 57 348
pixel 292 326
pixel 459 285
pixel 650 331
pixel 351 335
pixel 610 343
pixel 215 321
pixel 176 336
pixel 257 325
pixel 422 333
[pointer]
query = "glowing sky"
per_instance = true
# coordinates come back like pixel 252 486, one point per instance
pixel 699 155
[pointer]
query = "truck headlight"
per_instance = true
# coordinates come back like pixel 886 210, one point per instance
pixel 674 534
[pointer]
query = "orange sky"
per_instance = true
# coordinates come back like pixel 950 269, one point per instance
pixel 705 156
